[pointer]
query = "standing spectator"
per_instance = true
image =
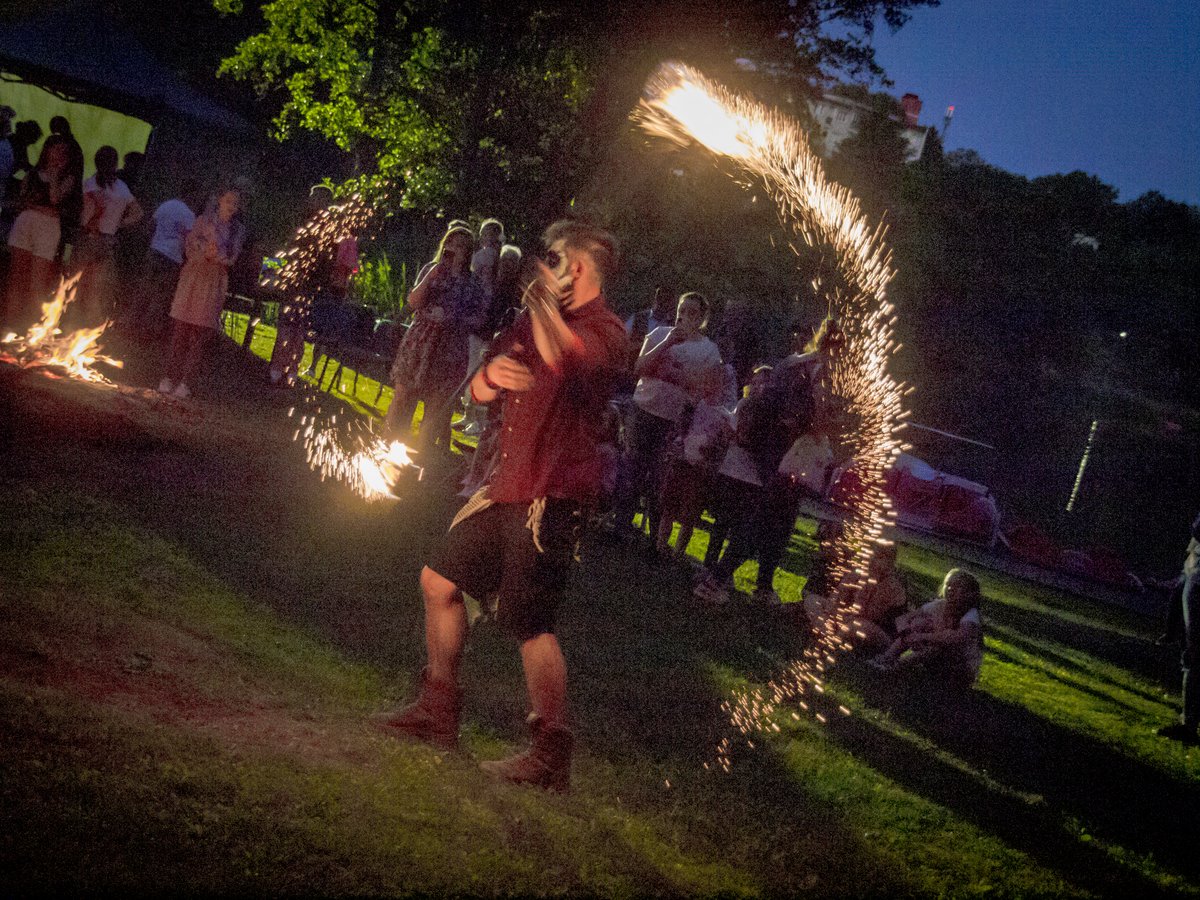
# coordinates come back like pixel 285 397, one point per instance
pixel 796 460
pixel 432 360
pixel 1185 729
pixel 108 205
pixel 675 361
pixel 25 134
pixel 702 438
pixel 484 265
pixel 7 159
pixel 211 247
pixel 486 258
pixel 298 287
pixel 131 169
pixel 945 635
pixel 737 491
pixel 34 238
pixel 660 312
pixel 173 219
pixel 16 145
pixel 72 208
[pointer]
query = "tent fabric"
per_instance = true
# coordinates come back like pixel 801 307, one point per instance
pixel 930 500
pixel 76 49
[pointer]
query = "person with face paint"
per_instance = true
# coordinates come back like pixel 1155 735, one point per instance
pixel 552 371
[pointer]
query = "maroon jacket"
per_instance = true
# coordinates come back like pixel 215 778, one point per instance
pixel 549 434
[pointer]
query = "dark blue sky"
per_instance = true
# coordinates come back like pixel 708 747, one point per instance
pixel 1111 87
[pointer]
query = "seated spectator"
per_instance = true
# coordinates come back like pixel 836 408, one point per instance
pixel 699 446
pixel 879 603
pixel 944 636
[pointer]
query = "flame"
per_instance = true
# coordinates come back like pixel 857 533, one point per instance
pixel 45 346
pixel 682 105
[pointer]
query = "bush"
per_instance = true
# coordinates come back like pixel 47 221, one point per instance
pixel 381 287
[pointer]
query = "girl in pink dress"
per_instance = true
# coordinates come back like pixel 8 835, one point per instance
pixel 210 249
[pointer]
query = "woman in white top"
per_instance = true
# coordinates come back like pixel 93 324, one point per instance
pixel 108 206
pixel 945 634
pixel 672 369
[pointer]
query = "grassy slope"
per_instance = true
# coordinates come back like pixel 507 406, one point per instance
pixel 191 644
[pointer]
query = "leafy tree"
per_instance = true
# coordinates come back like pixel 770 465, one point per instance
pixel 504 107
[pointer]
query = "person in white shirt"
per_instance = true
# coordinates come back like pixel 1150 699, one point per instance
pixel 672 368
pixel 173 219
pixel 944 635
pixel 108 205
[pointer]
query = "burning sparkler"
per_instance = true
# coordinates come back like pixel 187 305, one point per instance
pixel 683 106
pixel 347 450
pixel 45 346
pixel 350 452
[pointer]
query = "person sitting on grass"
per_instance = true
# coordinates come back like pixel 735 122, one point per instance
pixel 879 603
pixel 945 635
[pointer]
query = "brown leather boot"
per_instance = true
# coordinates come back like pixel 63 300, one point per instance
pixel 432 718
pixel 547 762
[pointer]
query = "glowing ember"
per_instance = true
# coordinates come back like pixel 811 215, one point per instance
pixel 45 346
pixel 682 105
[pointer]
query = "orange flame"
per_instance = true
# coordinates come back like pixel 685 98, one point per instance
pixel 45 346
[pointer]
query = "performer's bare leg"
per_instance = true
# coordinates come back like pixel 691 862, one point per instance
pixel 546 678
pixel 445 626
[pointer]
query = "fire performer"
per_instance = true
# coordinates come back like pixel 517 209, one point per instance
pixel 553 371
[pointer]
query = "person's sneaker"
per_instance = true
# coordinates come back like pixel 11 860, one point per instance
pixel 1179 732
pixel 767 597
pixel 165 386
pixel 181 392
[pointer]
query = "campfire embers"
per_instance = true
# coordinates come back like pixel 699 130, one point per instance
pixel 45 346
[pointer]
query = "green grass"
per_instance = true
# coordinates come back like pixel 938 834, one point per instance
pixel 194 631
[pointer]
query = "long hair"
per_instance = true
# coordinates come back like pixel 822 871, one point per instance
pixel 464 264
pixel 106 166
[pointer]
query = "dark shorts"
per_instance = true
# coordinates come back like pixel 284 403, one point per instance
pixel 492 553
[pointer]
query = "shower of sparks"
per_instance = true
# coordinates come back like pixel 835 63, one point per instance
pixel 342 448
pixel 683 106
pixel 45 346
pixel 349 451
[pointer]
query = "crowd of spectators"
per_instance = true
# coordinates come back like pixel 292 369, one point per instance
pixel 693 431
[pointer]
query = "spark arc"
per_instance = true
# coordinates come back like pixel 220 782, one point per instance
pixel 683 106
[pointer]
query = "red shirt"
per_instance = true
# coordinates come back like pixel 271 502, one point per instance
pixel 548 442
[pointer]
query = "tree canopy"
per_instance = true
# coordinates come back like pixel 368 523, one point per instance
pixel 502 107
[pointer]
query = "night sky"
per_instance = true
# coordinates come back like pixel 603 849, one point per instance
pixel 1111 87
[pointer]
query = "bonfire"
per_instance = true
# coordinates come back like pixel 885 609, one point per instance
pixel 47 347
